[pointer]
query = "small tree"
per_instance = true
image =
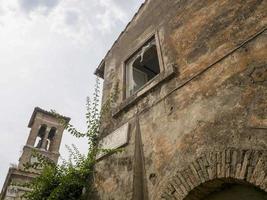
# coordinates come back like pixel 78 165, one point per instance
pixel 73 179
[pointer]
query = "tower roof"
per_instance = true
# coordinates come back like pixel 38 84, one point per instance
pixel 40 110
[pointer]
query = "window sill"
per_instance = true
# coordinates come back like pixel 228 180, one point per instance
pixel 160 78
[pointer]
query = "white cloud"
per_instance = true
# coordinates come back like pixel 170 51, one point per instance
pixel 41 6
pixel 112 14
pixel 79 20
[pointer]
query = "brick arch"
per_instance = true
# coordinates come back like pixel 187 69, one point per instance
pixel 214 168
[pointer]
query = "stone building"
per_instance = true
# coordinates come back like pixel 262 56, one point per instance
pixel 191 113
pixel 44 138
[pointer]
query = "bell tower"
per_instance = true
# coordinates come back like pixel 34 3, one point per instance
pixel 45 136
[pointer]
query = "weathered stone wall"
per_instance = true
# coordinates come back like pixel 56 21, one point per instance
pixel 212 170
pixel 217 99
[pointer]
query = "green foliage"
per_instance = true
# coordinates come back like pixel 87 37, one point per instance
pixel 73 179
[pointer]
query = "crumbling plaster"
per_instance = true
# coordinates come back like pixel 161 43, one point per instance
pixel 214 101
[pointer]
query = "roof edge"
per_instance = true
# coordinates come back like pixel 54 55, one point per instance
pixel 7 181
pixel 38 109
pixel 100 69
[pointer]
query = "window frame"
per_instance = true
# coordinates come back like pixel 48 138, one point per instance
pixel 150 37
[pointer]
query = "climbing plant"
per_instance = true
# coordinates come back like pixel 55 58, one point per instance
pixel 73 179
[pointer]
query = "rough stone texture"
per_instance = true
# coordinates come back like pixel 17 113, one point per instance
pixel 207 172
pixel 215 104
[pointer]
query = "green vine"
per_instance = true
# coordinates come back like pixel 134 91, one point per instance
pixel 73 179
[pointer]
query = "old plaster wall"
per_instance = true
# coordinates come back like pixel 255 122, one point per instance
pixel 216 100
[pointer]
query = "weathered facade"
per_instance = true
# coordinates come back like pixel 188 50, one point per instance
pixel 44 138
pixel 194 121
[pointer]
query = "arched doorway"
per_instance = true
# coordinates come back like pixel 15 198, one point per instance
pixel 237 192
pixel 238 174
pixel 226 189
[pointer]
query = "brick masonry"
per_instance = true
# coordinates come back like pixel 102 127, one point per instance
pixel 230 165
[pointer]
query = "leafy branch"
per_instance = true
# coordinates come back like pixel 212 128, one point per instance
pixel 73 179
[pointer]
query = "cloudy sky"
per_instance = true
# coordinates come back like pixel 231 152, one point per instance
pixel 48 52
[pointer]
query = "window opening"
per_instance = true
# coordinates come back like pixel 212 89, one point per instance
pixel 142 67
pixel 50 138
pixel 40 137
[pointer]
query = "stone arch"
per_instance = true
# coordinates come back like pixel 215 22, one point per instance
pixel 202 176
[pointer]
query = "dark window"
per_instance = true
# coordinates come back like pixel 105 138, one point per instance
pixel 142 67
pixel 40 137
pixel 50 138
